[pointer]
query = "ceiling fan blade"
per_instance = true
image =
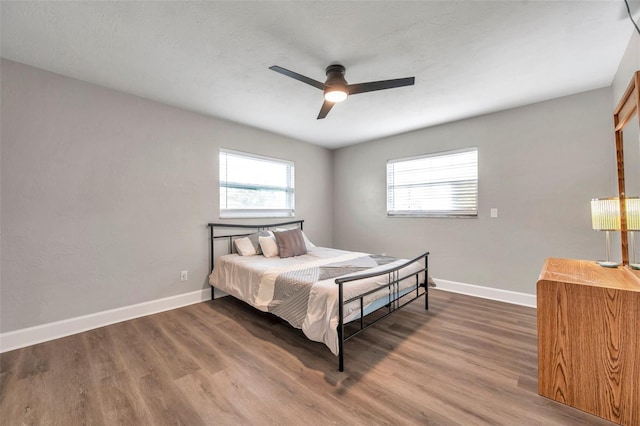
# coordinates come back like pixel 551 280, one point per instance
pixel 298 77
pixel 372 86
pixel 630 8
pixel 326 107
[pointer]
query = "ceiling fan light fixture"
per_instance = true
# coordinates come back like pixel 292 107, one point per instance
pixel 336 88
pixel 335 94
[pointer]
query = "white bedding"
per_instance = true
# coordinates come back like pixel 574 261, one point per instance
pixel 252 279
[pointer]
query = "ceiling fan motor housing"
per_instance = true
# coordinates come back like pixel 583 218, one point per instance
pixel 335 76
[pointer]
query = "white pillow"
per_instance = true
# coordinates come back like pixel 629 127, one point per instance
pixel 269 246
pixel 308 243
pixel 245 247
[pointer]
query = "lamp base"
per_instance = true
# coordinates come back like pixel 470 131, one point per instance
pixel 607 264
pixel 634 265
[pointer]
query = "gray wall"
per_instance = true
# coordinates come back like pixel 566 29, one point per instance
pixel 106 196
pixel 629 64
pixel 539 165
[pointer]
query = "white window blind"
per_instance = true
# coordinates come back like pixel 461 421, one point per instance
pixel 255 186
pixel 442 184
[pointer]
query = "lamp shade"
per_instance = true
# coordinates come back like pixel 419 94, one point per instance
pixel 605 214
pixel 633 213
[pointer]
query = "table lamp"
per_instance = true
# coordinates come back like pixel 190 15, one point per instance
pixel 633 224
pixel 605 216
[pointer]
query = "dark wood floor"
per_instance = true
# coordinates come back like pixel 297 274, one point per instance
pixel 466 361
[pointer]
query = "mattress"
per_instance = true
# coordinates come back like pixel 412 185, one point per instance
pixel 302 289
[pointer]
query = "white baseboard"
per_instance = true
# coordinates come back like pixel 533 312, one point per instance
pixel 55 330
pixel 500 295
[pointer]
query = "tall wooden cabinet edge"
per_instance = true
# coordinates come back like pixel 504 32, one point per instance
pixel 588 321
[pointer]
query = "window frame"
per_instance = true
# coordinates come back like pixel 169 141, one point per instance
pixel 252 213
pixel 434 213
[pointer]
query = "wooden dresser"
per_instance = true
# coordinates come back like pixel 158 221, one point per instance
pixel 589 338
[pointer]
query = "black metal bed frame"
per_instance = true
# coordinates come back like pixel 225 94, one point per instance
pixel 396 300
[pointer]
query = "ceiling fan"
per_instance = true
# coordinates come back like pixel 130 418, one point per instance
pixel 336 88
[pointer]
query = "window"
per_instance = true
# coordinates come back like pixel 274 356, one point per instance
pixel 442 185
pixel 255 186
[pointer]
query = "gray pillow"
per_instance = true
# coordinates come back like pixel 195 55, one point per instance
pixel 290 243
pixel 254 240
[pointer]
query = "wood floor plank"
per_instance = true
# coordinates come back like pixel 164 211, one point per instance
pixel 133 349
pixel 198 346
pixel 35 360
pixel 466 361
pixel 8 371
pixel 72 387
pixel 120 404
pixel 208 394
pixel 178 361
pixel 26 403
pixel 63 393
pixel 168 406
pixel 104 361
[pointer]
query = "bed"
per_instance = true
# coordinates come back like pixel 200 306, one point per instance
pixel 331 295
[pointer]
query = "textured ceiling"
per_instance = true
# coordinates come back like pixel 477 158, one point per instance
pixel 468 57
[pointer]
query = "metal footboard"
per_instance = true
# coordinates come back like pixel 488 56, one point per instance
pixel 396 298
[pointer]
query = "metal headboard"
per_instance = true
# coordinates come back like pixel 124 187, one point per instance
pixel 253 228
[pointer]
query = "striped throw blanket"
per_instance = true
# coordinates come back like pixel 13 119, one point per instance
pixel 291 289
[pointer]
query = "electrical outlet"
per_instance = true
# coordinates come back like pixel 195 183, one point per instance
pixel 184 275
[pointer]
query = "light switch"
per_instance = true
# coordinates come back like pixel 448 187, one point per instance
pixel 494 212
